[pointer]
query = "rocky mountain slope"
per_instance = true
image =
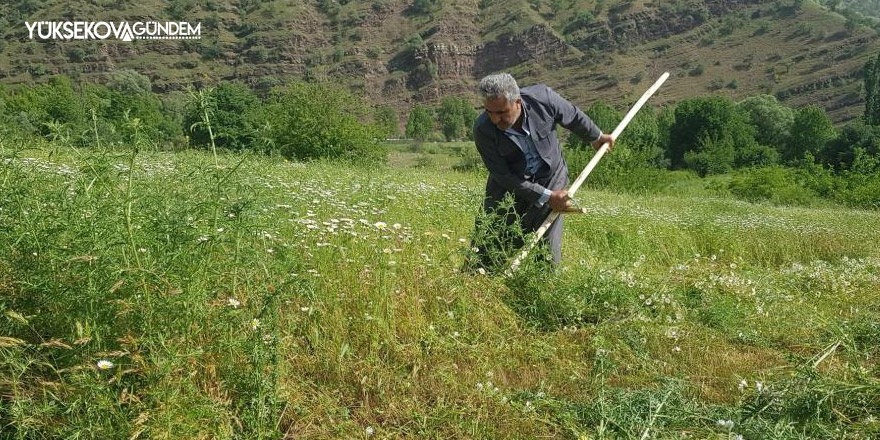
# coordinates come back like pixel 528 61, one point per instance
pixel 401 52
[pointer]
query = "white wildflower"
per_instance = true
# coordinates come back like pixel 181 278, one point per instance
pixel 234 303
pixel 727 424
pixel 104 364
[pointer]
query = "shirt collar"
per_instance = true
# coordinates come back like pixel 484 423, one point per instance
pixel 525 123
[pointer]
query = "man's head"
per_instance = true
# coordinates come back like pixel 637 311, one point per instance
pixel 501 99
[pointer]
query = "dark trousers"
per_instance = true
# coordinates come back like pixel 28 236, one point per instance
pixel 496 242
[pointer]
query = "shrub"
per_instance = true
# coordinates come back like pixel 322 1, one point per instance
pixel 426 6
pixel 76 54
pixel 579 21
pixel 774 184
pixel 470 160
pixel 231 106
pixel 33 108
pixel 310 121
pixel 128 81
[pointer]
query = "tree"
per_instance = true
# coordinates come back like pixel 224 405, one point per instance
pixel 707 134
pixel 319 120
pixel 872 91
pixel 771 119
pixel 840 152
pixel 810 132
pixel 386 122
pixel 456 118
pixel 420 123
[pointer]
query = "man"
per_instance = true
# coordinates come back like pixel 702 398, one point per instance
pixel 516 137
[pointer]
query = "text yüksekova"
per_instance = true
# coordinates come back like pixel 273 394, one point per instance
pixel 101 30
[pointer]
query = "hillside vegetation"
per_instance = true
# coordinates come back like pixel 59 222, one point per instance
pixel 400 52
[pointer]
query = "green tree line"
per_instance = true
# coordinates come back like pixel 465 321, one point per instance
pixel 706 135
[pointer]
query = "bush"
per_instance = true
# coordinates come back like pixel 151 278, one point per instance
pixel 231 105
pixel 579 21
pixel 33 108
pixel 310 121
pixel 129 82
pixel 470 160
pixel 707 133
pixel 775 184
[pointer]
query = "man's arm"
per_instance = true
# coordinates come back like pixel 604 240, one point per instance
pixel 499 171
pixel 572 118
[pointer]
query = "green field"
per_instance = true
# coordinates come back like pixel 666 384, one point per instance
pixel 269 299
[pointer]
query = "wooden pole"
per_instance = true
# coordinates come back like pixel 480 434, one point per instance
pixel 589 168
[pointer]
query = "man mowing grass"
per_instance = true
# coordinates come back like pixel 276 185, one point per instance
pixel 516 137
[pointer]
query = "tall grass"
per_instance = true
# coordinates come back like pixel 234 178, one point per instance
pixel 260 299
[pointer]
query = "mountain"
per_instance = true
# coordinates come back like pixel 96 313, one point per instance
pixel 402 52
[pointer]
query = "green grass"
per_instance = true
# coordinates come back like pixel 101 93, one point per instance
pixel 365 326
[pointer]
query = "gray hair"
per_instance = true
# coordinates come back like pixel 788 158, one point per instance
pixel 498 85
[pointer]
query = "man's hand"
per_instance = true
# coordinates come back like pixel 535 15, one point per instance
pixel 559 200
pixel 597 144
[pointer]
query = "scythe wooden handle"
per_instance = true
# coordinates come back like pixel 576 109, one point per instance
pixel 589 168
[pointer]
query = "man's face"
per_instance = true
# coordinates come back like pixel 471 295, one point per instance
pixel 502 112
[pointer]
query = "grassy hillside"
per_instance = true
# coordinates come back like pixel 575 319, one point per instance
pixel 401 52
pixel 269 299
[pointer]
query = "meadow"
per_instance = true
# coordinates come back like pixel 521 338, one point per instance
pixel 166 295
